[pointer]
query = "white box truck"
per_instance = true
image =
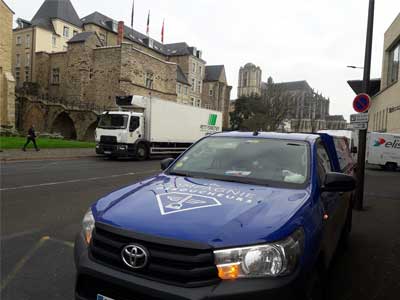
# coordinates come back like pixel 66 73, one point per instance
pixel 383 149
pixel 145 126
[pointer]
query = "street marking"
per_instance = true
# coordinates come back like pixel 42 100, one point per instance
pixel 18 234
pixel 76 180
pixel 22 262
pixel 65 243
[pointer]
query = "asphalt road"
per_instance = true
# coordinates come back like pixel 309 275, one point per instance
pixel 42 204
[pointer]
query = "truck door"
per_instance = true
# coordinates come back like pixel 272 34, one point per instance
pixel 334 204
pixel 134 129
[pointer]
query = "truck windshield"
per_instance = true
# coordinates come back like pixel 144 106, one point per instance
pixel 271 162
pixel 113 121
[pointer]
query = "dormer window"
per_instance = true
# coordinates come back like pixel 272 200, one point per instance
pixel 66 31
pixel 115 26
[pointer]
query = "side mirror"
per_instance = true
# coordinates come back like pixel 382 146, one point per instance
pixel 338 182
pixel 354 149
pixel 165 163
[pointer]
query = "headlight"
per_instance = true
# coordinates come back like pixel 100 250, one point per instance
pixel 269 260
pixel 88 225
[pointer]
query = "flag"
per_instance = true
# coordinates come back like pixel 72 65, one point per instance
pixel 162 32
pixel 133 12
pixel 148 23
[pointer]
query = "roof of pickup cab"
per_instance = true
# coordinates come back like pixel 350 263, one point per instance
pixel 271 135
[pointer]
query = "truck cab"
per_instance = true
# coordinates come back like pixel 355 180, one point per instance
pixel 239 215
pixel 119 133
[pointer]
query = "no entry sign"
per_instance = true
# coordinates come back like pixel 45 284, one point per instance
pixel 361 103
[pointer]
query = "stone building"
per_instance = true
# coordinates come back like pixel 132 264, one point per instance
pixel 308 110
pixel 217 92
pixel 7 83
pixel 249 83
pixel 52 26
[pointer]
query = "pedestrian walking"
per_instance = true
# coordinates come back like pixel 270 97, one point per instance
pixel 31 137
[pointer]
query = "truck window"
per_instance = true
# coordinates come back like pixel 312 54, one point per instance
pixel 113 121
pixel 134 123
pixel 324 162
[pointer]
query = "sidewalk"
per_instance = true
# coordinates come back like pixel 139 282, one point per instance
pixel 31 154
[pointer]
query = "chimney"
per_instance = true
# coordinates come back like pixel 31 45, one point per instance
pixel 120 32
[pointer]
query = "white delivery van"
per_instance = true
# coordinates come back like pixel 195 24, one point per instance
pixel 145 126
pixel 383 149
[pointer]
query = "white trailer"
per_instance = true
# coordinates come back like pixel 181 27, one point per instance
pixel 150 126
pixel 383 149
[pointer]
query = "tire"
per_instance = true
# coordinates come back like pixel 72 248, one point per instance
pixel 142 152
pixel 391 166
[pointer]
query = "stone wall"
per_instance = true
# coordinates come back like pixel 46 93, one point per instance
pixel 7 82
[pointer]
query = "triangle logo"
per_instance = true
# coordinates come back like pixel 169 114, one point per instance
pixel 170 203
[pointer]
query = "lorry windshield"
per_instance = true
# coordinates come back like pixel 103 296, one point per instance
pixel 271 162
pixel 113 121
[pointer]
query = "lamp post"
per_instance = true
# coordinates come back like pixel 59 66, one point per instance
pixel 362 136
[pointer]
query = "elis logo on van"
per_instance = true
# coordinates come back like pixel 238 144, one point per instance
pixel 395 144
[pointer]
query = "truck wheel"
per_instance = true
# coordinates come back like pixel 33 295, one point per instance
pixel 391 166
pixel 142 152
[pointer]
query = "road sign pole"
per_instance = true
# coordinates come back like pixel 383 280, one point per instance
pixel 362 137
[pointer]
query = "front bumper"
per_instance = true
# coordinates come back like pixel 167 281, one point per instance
pixel 116 149
pixel 94 278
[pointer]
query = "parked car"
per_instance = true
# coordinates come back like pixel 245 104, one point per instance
pixel 237 216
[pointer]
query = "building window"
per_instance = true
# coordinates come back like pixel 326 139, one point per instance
pixel 193 88
pixel 18 60
pixel 178 88
pixel 194 67
pixel 207 106
pixel 211 92
pixel 198 102
pixel 28 41
pixel 18 40
pixel 149 80
pixel 28 59
pixel 17 75
pixel 90 74
pixel 55 78
pixel 27 74
pixel 192 102
pixel 186 90
pixel 199 87
pixel 54 41
pixel 200 70
pixel 66 31
pixel 75 32
pixel 394 59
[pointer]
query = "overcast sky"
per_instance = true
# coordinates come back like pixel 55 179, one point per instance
pixel 311 40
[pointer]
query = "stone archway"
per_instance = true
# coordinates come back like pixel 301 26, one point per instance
pixel 89 134
pixel 64 125
pixel 34 116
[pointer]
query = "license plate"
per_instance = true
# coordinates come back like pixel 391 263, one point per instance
pixel 101 297
pixel 107 152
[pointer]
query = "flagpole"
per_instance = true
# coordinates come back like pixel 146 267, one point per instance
pixel 162 31
pixel 133 12
pixel 148 24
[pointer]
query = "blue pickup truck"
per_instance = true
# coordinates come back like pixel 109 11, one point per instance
pixel 237 216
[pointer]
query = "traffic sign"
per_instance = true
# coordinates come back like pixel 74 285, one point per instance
pixel 361 103
pixel 359 118
pixel 360 126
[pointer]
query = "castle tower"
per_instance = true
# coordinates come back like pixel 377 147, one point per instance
pixel 249 81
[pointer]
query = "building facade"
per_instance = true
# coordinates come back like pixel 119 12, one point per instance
pixel 384 114
pixel 308 111
pixel 7 83
pixel 249 83
pixel 52 26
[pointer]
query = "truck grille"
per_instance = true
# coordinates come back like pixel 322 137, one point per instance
pixel 169 261
pixel 107 139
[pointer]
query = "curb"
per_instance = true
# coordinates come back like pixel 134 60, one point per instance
pixel 26 159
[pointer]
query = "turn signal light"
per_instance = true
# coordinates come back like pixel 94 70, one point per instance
pixel 228 271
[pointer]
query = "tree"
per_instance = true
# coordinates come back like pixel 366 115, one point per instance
pixel 266 113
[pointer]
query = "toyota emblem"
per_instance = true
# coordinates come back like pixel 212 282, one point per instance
pixel 135 256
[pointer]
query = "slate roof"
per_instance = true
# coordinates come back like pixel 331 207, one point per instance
pixel 51 9
pixel 180 76
pixel 81 37
pixel 301 85
pixel 213 73
pixel 175 49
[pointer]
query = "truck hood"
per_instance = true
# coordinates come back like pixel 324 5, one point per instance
pixel 217 213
